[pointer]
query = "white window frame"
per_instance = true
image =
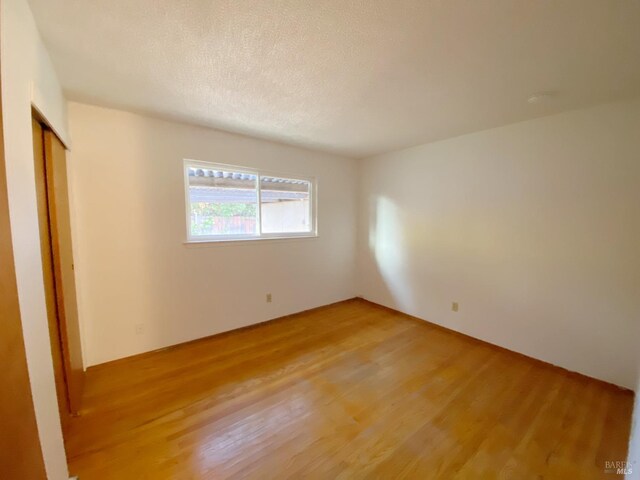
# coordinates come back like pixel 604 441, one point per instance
pixel 187 163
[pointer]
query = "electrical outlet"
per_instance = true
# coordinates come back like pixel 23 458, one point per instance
pixel 454 306
pixel 139 328
pixel 268 298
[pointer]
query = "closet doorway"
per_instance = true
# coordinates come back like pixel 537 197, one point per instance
pixel 58 268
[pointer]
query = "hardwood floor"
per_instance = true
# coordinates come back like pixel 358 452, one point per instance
pixel 348 391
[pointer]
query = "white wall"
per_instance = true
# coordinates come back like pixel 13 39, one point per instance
pixel 132 265
pixel 534 228
pixel 28 78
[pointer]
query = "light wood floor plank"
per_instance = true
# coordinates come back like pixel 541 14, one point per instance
pixel 348 391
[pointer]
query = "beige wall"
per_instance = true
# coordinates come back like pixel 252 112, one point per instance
pixel 28 79
pixel 132 265
pixel 534 228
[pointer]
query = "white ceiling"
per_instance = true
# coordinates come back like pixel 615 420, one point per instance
pixel 356 77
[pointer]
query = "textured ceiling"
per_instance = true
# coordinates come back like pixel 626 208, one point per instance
pixel 347 76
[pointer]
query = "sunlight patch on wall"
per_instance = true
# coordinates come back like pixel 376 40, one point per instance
pixel 387 244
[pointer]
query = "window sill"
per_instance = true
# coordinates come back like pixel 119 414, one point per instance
pixel 245 241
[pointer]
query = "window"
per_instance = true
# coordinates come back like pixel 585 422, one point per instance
pixel 234 203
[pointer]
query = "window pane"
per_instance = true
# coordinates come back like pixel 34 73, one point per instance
pixel 222 202
pixel 285 205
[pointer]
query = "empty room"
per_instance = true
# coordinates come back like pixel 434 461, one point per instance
pixel 319 239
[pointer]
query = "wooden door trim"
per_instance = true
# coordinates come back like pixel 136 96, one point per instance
pixel 20 450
